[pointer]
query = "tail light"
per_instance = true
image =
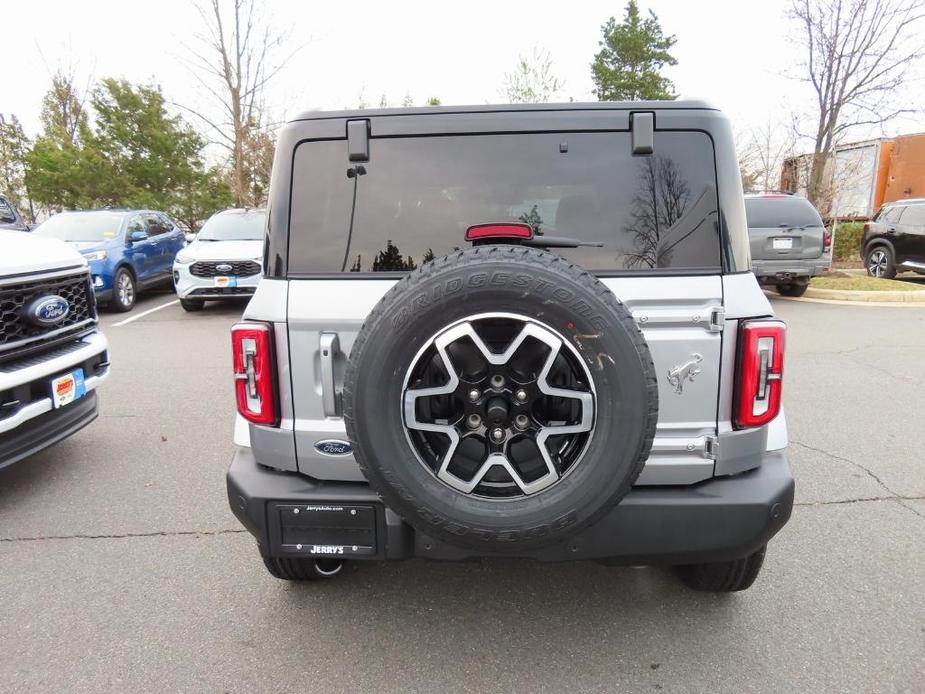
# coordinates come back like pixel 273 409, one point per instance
pixel 866 227
pixel 760 372
pixel 254 373
pixel 826 240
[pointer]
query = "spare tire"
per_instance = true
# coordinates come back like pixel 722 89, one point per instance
pixel 500 399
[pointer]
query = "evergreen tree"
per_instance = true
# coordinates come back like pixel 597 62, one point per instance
pixel 13 148
pixel 633 53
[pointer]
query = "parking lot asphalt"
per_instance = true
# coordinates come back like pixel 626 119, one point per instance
pixel 122 569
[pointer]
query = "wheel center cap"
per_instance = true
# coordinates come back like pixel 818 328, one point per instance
pixel 496 411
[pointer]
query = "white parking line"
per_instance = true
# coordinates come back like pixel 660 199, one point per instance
pixel 145 313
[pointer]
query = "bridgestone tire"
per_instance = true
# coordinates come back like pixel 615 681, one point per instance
pixel 517 280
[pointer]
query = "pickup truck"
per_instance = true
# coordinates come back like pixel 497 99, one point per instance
pixel 52 354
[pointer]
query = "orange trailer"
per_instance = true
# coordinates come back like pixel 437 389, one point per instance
pixel 905 174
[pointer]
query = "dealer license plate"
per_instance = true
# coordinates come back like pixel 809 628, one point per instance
pixel 226 281
pixel 68 388
pixel 781 244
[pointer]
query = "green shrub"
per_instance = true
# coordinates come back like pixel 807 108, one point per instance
pixel 848 240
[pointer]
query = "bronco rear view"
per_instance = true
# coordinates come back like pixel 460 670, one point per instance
pixel 522 331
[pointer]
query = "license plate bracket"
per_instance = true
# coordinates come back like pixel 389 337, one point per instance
pixel 324 529
pixel 782 244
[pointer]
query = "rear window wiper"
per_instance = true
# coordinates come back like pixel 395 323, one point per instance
pixel 559 242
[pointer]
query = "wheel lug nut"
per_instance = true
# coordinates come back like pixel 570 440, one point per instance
pixel 474 395
pixel 473 421
pixel 521 421
pixel 497 381
pixel 497 435
pixel 521 395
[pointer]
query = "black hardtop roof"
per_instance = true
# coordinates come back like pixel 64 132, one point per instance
pixel 695 105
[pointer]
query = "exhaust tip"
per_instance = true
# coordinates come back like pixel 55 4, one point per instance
pixel 328 567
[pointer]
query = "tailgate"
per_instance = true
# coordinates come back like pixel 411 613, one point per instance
pixel 786 243
pixel 681 318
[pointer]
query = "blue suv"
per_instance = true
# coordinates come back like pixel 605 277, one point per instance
pixel 128 250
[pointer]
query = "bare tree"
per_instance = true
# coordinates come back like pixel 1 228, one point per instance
pixel 239 57
pixel 532 81
pixel 857 55
pixel 661 199
pixel 762 151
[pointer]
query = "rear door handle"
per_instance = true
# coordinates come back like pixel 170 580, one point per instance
pixel 329 345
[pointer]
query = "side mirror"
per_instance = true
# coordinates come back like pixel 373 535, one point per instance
pixel 138 236
pixel 189 236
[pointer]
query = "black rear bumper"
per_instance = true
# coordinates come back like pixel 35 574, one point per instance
pixel 723 518
pixel 47 429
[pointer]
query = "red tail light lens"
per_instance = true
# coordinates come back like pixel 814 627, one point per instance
pixel 499 231
pixel 826 239
pixel 254 375
pixel 760 372
pixel 866 227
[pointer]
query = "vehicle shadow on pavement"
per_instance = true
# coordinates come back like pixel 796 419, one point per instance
pixel 501 609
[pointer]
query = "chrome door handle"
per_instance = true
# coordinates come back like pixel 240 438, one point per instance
pixel 329 344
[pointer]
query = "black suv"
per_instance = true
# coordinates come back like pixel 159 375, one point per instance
pixel 510 331
pixel 894 240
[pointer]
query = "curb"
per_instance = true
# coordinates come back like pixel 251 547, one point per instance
pixel 891 296
pixel 774 296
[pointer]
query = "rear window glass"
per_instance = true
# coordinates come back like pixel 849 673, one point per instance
pixel 418 196
pixel 763 213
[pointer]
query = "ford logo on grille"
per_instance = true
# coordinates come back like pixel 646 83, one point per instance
pixel 223 267
pixel 333 447
pixel 47 310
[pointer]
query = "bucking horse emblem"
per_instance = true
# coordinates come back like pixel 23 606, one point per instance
pixel 687 371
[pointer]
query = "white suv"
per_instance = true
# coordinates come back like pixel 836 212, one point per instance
pixel 52 354
pixel 224 261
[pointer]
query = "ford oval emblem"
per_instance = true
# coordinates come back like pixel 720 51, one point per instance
pixel 333 447
pixel 47 310
pixel 224 267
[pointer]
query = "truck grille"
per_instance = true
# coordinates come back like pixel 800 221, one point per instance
pixel 240 268
pixel 17 335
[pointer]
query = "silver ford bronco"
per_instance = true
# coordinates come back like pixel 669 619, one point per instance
pixel 522 331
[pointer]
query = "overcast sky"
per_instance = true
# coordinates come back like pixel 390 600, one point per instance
pixel 735 53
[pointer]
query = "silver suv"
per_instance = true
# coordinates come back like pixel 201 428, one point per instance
pixel 510 331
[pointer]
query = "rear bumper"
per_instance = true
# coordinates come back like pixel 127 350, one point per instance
pixel 772 271
pixel 719 519
pixel 46 430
